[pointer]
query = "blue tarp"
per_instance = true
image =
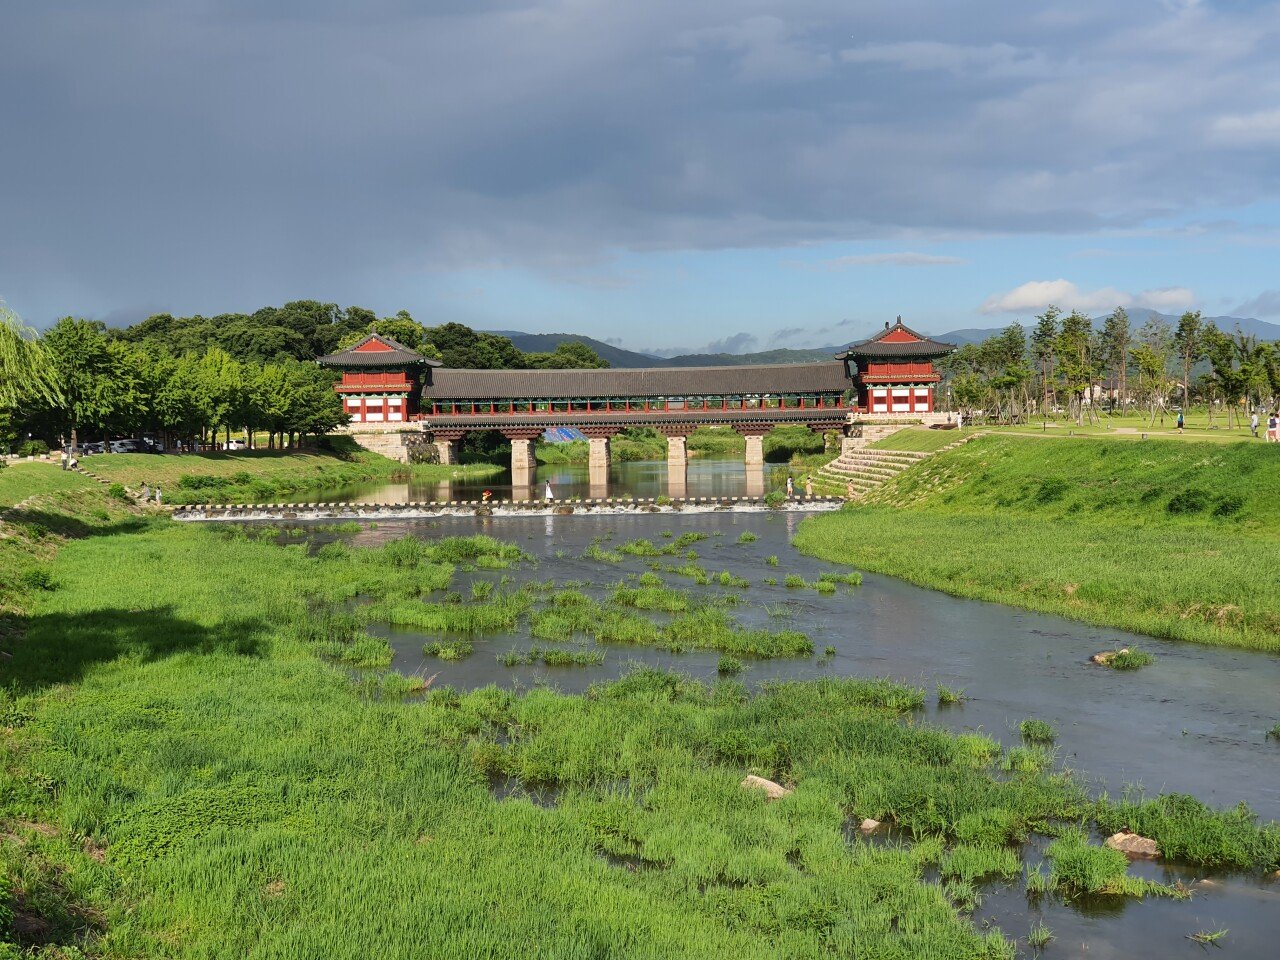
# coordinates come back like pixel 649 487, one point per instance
pixel 562 434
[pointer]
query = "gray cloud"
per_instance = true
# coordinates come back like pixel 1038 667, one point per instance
pixel 214 156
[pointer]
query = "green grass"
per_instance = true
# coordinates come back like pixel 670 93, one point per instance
pixel 1084 529
pixel 188 776
pixel 256 476
pixel 917 440
pixel 1129 660
pixel 21 479
pixel 1037 731
pixel 1079 867
pixel 948 697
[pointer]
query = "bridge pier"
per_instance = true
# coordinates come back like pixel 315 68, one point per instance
pixel 677 458
pixel 446 442
pixel 598 437
pixel 754 433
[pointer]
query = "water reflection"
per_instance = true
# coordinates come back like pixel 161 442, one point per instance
pixel 702 477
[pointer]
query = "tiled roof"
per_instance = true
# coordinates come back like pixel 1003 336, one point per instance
pixel 826 377
pixel 398 355
pixel 877 346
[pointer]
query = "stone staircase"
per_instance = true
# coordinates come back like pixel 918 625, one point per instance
pixel 869 468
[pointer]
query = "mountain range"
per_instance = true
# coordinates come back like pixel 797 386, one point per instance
pixel 630 359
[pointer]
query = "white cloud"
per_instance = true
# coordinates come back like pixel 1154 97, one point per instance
pixel 1265 304
pixel 1248 129
pixel 903 259
pixel 1037 294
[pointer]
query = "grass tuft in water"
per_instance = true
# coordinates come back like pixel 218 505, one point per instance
pixel 450 650
pixel 771 560
pixel 1037 731
pixel 1039 936
pixel 948 697
pixel 728 666
pixel 1208 936
pixel 746 536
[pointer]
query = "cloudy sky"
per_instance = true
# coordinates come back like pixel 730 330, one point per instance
pixel 659 173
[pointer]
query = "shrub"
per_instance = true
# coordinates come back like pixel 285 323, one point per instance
pixel 746 536
pixel 33 448
pixel 118 492
pixel 775 499
pixel 1191 500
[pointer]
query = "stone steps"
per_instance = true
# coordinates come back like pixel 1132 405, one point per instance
pixel 869 469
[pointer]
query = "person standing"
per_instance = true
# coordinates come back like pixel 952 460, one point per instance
pixel 791 488
pixel 849 492
pixel 549 495
pixel 1181 422
pixel 1273 427
pixel 808 485
pixel 1253 424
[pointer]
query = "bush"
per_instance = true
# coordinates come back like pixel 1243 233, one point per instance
pixel 33 448
pixel 1191 500
pixel 118 492
pixel 775 499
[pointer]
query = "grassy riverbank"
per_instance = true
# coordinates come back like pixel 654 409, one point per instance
pixel 1172 538
pixel 187 773
pixel 256 476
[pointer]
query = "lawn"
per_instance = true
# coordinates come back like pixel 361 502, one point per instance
pixel 258 475
pixel 917 440
pixel 23 479
pixel 1172 538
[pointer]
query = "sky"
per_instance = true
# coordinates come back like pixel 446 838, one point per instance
pixel 662 175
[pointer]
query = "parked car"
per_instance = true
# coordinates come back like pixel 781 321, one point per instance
pixel 237 445
pixel 87 448
pixel 125 446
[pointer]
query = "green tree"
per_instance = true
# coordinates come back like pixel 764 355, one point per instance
pixel 27 373
pixel 84 365
pixel 568 355
pixel 1074 350
pixel 1113 342
pixel 1151 358
pixel 461 347
pixel 1044 340
pixel 1191 340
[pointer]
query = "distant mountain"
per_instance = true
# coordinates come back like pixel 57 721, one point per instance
pixel 547 342
pixel 808 355
pixel 630 359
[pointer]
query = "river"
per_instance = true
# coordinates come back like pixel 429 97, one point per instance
pixel 705 477
pixel 1194 722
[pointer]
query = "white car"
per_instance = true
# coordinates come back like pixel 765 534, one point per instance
pixel 237 445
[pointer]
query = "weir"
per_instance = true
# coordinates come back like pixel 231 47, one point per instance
pixel 604 506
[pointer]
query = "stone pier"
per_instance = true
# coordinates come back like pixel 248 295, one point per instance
pixel 754 433
pixel 446 442
pixel 677 459
pixel 598 457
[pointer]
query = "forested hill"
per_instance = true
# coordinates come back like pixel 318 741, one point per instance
pixel 307 329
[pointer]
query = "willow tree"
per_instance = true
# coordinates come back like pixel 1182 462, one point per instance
pixel 26 372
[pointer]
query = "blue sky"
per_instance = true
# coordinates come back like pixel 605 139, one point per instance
pixel 658 174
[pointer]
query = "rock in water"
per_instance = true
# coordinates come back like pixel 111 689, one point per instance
pixel 772 791
pixel 1133 845
pixel 869 826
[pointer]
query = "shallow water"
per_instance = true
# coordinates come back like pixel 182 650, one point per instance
pixel 705 477
pixel 1193 722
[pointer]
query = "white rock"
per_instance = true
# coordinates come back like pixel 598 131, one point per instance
pixel 772 791
pixel 1132 845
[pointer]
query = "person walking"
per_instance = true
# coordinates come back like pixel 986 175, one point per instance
pixel 1273 428
pixel 1181 422
pixel 808 486
pixel 791 488
pixel 1253 424
pixel 549 495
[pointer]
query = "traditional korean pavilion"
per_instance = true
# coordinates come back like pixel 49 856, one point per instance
pixel 892 372
pixel 381 379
